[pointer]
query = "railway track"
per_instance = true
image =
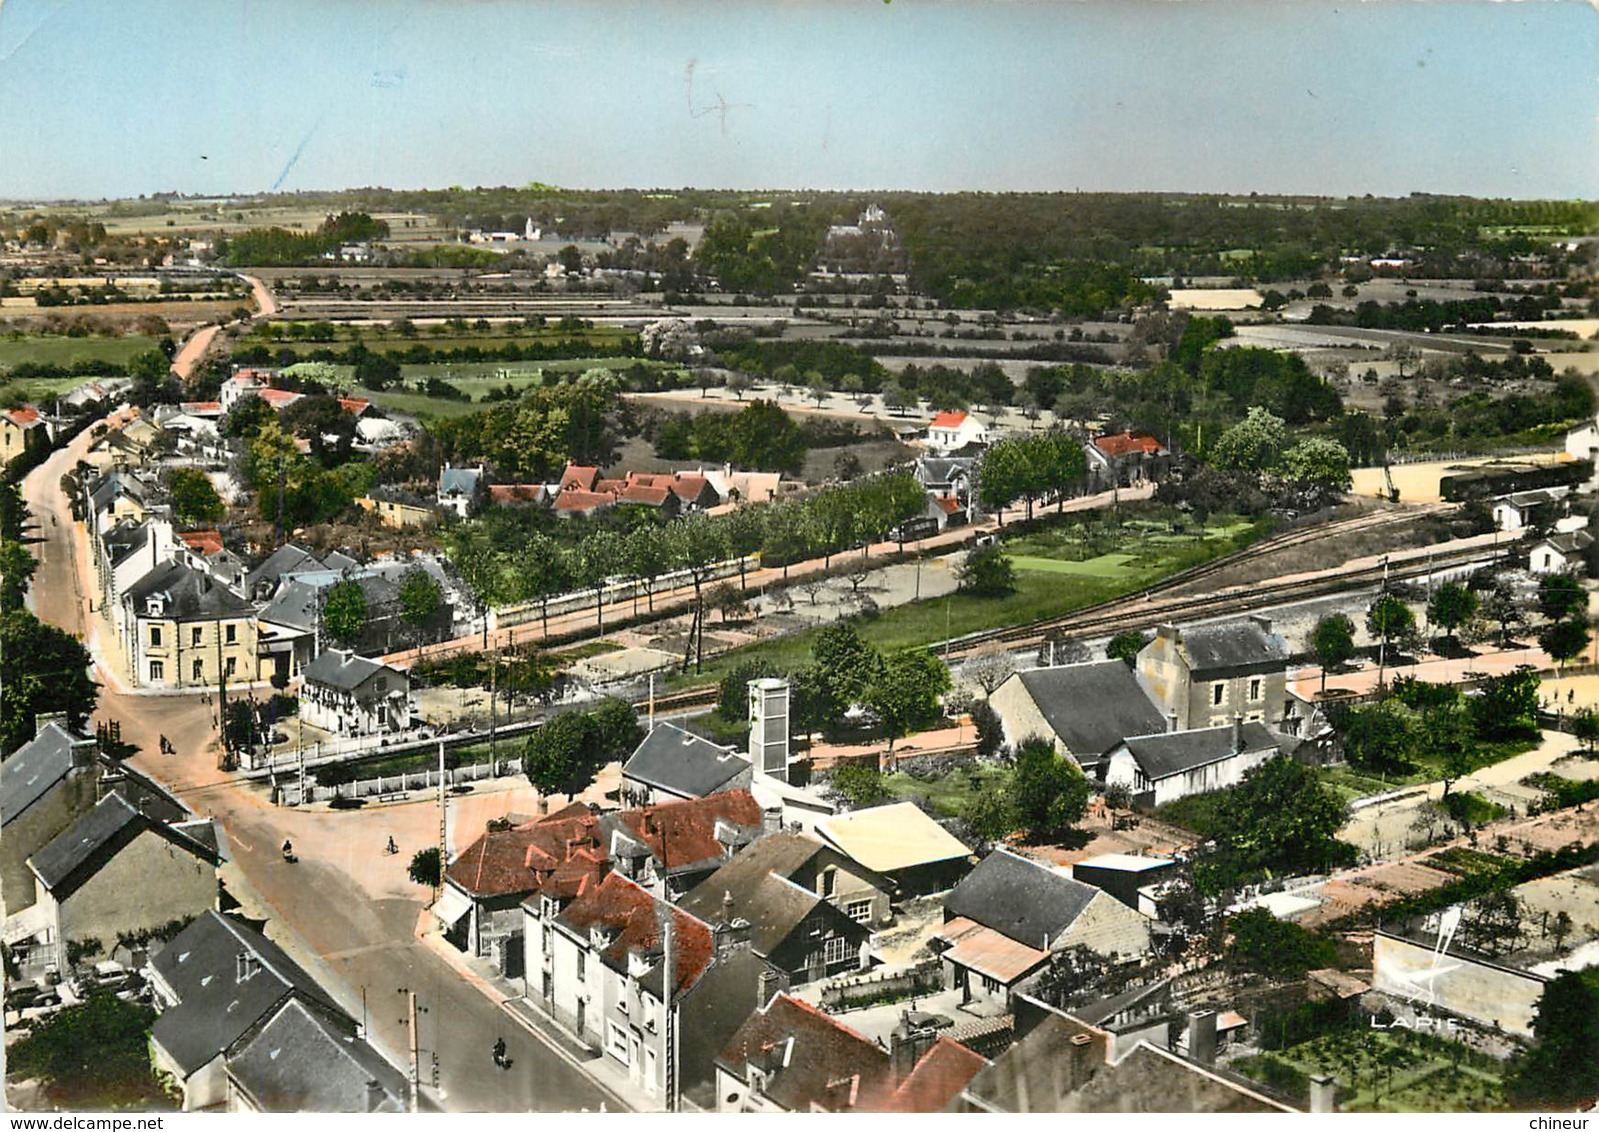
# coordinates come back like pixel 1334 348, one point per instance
pixel 1145 607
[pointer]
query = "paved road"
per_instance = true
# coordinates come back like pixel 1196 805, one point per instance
pixel 346 908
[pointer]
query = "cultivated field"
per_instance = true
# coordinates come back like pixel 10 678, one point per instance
pixel 72 351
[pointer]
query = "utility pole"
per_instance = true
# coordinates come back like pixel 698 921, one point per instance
pixel 415 1077
pixel 444 847
pixel 494 676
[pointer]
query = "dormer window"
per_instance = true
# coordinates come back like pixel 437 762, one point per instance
pixel 153 607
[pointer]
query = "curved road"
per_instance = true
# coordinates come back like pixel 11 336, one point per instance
pixel 346 911
pixel 196 346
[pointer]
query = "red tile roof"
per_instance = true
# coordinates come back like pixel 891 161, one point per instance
pixel 202 406
pixel 516 492
pixel 26 416
pixel 949 418
pixel 354 405
pixel 579 476
pixel 947 504
pixel 641 493
pixel 578 501
pixel 517 860
pixel 632 913
pixel 679 834
pixel 936 1080
pixel 1125 443
pixel 809 1058
pixel 279 398
pixel 688 487
pixel 206 542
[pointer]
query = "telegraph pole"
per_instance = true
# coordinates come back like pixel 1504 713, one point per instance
pixel 444 845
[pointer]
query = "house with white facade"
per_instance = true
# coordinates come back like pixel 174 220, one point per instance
pixel 1565 553
pixel 1164 767
pixel 654 989
pixel 954 429
pixel 346 694
pixel 460 490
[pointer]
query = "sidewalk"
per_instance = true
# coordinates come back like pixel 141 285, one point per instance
pixel 605 1073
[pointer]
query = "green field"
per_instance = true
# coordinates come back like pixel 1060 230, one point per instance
pixel 1105 566
pixel 383 340
pixel 64 351
pixel 36 388
pixel 477 378
pixel 1038 593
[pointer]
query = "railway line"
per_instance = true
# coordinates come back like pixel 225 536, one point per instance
pixel 1164 602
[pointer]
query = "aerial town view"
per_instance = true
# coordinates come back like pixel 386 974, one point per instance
pixel 1087 608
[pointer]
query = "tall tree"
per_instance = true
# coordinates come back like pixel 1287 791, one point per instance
pixel 1564 640
pixel 344 612
pixel 194 498
pixel 1561 596
pixel 1048 791
pixel 421 599
pixel 905 692
pixel 1332 642
pixel 42 670
pixel 1451 606
pixel 1389 619
pixel 1254 444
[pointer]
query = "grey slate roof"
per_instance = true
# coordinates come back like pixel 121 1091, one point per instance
pixel 1019 899
pixel 345 671
pixel 293 605
pixel 215 1007
pixel 126 540
pixel 679 761
pixel 1572 542
pixel 301 1061
pixel 1092 707
pixel 34 768
pixel 761 894
pixel 286 559
pixel 1160 756
pixel 1243 643
pixel 112 485
pixel 103 830
pixel 192 594
pixel 459 481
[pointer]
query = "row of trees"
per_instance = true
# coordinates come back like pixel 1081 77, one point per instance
pixel 1030 468
pixel 539 567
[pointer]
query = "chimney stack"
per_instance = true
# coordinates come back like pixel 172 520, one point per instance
pixel 374 1095
pixel 1202 1037
pixel 1324 1093
pixel 1238 733
pixel 1171 721
pixel 772 820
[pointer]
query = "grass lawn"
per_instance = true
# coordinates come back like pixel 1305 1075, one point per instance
pixel 1351 782
pixel 935 619
pixel 1056 589
pixel 951 794
pixel 477 378
pixel 1390 1071
pixel 1105 566
pixel 60 350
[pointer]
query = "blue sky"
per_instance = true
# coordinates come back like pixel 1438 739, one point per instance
pixel 121 97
